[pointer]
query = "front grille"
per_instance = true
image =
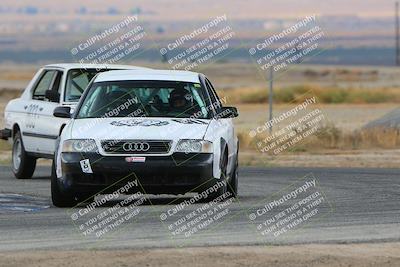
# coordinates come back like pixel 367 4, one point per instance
pixel 136 146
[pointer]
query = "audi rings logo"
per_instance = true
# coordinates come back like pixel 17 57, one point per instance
pixel 136 147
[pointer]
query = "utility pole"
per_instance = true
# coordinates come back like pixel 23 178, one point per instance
pixel 397 34
pixel 271 94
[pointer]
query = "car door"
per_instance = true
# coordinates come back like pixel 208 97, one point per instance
pixel 223 126
pixel 42 127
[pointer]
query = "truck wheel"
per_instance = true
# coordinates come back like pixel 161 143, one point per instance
pixel 23 165
pixel 233 182
pixel 60 199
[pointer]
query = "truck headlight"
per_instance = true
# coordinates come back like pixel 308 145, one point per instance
pixel 79 145
pixel 194 146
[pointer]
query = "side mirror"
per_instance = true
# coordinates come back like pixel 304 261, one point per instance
pixel 227 112
pixel 62 112
pixel 52 95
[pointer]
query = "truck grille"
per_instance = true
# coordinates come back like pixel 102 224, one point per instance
pixel 136 146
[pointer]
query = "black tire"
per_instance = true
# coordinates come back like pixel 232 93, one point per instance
pixel 222 189
pixel 59 198
pixel 23 165
pixel 234 179
pixel 85 198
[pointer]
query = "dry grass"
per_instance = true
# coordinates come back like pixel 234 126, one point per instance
pixel 13 75
pixel 326 95
pixel 8 94
pixel 316 255
pixel 329 137
pixel 342 74
pixel 4 145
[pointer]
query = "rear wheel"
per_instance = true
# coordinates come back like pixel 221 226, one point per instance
pixel 59 198
pixel 23 165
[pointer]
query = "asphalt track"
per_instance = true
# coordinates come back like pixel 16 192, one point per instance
pixel 359 205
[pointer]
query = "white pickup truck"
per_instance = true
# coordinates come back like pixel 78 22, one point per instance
pixel 29 122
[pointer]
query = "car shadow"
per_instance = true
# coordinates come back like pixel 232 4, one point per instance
pixel 41 178
pixel 149 201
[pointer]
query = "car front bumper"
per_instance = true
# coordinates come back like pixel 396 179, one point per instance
pixel 176 174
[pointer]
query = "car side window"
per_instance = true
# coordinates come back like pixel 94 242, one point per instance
pixel 76 82
pixel 214 97
pixel 57 81
pixel 44 84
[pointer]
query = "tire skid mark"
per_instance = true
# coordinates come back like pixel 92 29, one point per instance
pixel 21 203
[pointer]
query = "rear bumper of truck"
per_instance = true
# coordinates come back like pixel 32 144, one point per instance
pixel 5 134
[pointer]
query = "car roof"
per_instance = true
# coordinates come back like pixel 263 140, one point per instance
pixel 68 66
pixel 148 75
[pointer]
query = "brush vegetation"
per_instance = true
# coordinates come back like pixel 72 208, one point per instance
pixel 329 137
pixel 326 95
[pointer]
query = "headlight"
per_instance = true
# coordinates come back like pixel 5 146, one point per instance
pixel 194 146
pixel 79 145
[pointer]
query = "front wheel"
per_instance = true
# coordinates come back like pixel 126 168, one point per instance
pixel 59 198
pixel 222 183
pixel 23 165
pixel 234 180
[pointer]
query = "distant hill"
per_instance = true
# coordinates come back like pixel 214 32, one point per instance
pixel 201 9
pixel 357 32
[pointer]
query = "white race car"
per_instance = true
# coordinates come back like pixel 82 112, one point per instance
pixel 29 122
pixel 165 130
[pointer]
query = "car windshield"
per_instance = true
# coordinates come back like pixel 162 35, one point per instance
pixel 144 99
pixel 77 80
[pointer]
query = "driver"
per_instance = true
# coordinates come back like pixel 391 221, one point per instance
pixel 180 100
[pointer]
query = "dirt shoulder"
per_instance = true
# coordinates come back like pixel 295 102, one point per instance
pixel 374 158
pixel 384 254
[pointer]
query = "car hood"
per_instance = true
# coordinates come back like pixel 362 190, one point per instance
pixel 138 128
